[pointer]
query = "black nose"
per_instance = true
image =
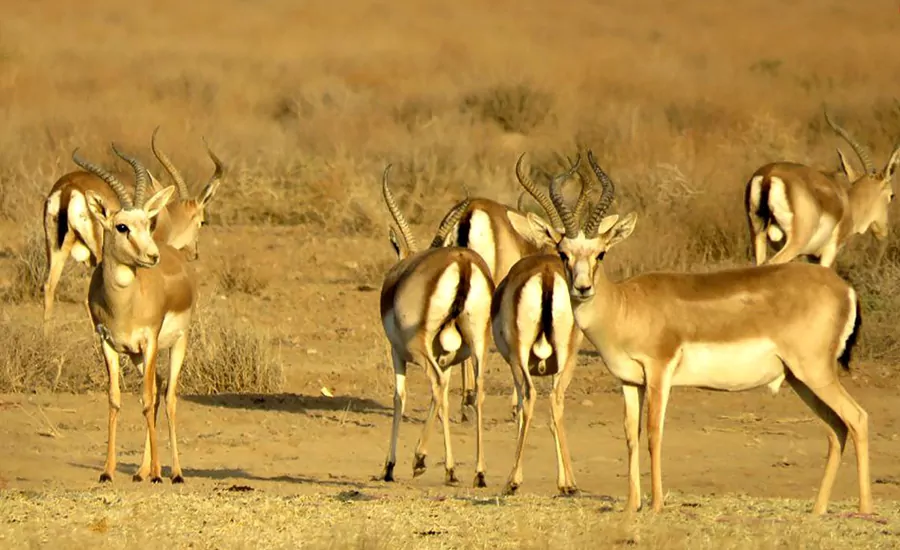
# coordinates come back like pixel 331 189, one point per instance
pixel 153 257
pixel 582 289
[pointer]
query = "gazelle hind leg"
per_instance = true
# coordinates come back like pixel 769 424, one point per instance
pixel 857 421
pixel 525 399
pixel 433 371
pixel 443 412
pixel 399 406
pixel 837 439
pixel 56 263
pixel 659 387
pixel 565 478
pixel 467 406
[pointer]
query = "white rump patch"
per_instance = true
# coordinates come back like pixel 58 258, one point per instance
pixel 848 326
pixel 439 306
pixel 755 183
pixel 482 239
pixel 729 366
pixel 528 318
pixel 81 222
pixel 52 204
pixel 780 207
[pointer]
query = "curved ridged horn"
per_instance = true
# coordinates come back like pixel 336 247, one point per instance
pixel 140 177
pixel 606 198
pixel 219 173
pixel 542 199
pixel 408 237
pixel 860 151
pixel 569 223
pixel 452 217
pixel 586 185
pixel 170 168
pixel 111 180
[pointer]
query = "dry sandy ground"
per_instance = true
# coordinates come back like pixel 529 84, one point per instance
pixel 722 452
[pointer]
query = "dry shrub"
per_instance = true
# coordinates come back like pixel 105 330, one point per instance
pixel 516 108
pixel 225 358
pixel 30 272
pixel 237 275
pixel 63 361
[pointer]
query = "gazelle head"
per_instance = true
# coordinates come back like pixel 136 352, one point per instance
pixel 873 186
pixel 188 213
pixel 128 238
pixel 582 246
pixel 407 245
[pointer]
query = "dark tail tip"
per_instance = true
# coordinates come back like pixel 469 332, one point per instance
pixel 844 359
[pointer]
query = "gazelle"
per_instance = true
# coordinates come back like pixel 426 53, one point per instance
pixel 69 229
pixel 809 212
pixel 534 329
pixel 141 301
pixel 502 236
pixel 729 330
pixel 435 309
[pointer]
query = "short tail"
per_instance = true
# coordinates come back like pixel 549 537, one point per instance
pixel 850 343
pixel 542 348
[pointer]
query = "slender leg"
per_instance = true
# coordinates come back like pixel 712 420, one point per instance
pixel 525 387
pixel 144 469
pixel 56 262
pixel 467 408
pixel 111 357
pixel 176 361
pixel 399 407
pixel 444 416
pixel 634 406
pixel 150 396
pixel 882 249
pixel 479 349
pixel 837 440
pixel 658 393
pixel 565 481
pixel 760 247
pixel 857 421
pixel 433 370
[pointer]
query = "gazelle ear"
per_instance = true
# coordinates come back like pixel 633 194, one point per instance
pixel 533 228
pixel 209 192
pixel 621 230
pixel 607 223
pixel 98 208
pixel 846 167
pixel 158 201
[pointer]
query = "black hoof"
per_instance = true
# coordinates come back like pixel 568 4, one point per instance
pixel 105 478
pixel 450 477
pixel 156 479
pixel 511 488
pixel 178 479
pixel 388 474
pixel 419 467
pixel 467 415
pixel 479 480
pixel 137 478
pixel 569 492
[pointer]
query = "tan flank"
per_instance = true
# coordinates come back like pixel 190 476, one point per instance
pixel 728 330
pixel 809 212
pixel 69 229
pixel 141 300
pixel 435 309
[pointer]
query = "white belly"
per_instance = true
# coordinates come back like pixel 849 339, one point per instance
pixel 731 366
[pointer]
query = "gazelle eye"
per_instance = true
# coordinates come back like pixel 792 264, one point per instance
pixel 601 256
pixel 122 228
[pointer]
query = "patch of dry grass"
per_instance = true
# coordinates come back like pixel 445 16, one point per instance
pixel 105 518
pixel 236 274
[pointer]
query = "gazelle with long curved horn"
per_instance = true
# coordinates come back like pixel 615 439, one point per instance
pixel 502 236
pixel 809 212
pixel 534 329
pixel 141 300
pixel 728 330
pixel 69 230
pixel 435 310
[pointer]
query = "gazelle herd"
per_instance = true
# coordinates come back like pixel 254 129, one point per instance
pixel 535 285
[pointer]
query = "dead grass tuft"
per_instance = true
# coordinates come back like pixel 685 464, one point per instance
pixel 226 358
pixel 237 275
pixel 66 360
pixel 518 108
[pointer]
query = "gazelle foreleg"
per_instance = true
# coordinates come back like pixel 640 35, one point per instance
pixel 399 407
pixel 634 406
pixel 150 352
pixel 144 469
pixel 111 358
pixel 176 361
pixel 659 386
